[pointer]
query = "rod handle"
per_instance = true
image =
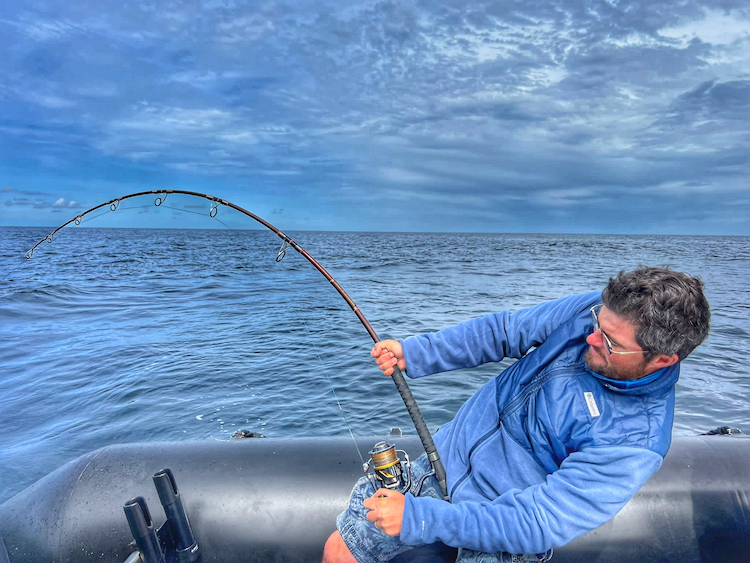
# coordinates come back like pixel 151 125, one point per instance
pixel 422 431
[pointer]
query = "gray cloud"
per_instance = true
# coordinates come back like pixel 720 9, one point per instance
pixel 720 103
pixel 56 205
pixel 35 193
pixel 24 192
pixel 26 202
pixel 491 109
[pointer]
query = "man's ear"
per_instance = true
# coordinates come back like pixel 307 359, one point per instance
pixel 662 361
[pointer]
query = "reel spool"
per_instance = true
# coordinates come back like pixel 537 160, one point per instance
pixel 385 470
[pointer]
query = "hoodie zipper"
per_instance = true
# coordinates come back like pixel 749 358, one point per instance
pixel 533 387
pixel 478 443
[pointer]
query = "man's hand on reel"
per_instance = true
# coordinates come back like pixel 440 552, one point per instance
pixel 386 511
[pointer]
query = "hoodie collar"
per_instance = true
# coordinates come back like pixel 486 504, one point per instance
pixel 655 382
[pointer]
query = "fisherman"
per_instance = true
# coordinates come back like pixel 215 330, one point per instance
pixel 556 444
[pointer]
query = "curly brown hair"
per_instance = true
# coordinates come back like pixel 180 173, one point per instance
pixel 668 307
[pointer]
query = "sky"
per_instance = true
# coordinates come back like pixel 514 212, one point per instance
pixel 515 116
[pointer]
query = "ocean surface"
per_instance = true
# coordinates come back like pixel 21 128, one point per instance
pixel 114 335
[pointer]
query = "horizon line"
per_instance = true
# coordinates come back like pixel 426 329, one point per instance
pixel 262 229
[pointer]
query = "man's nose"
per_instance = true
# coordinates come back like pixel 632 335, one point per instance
pixel 595 339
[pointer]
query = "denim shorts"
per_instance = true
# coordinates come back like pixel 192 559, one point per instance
pixel 368 544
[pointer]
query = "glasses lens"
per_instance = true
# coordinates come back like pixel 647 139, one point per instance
pixel 595 316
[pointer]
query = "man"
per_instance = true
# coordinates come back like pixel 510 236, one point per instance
pixel 555 445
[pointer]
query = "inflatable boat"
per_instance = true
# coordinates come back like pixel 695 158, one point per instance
pixel 276 500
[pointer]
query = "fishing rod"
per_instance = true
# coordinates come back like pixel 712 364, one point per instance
pixel 398 378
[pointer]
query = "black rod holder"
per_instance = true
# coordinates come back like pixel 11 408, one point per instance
pixel 142 528
pixel 187 548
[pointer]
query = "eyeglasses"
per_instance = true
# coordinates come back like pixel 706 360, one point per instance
pixel 595 316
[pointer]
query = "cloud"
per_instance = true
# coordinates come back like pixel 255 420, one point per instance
pixel 26 202
pixel 24 192
pixel 62 203
pixel 279 172
pixel 493 109
pixel 243 29
pixel 405 176
pixel 724 103
pixel 50 100
pixel 43 30
pixel 714 27
pixel 567 197
pixel 34 193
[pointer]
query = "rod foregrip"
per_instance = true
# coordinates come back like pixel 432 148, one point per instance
pixel 422 431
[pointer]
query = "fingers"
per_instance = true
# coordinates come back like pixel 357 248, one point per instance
pixel 386 346
pixel 386 362
pixel 389 364
pixel 386 509
pixel 372 502
pixel 387 354
pixel 377 349
pixel 373 505
pixel 380 347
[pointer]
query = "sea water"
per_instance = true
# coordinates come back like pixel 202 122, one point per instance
pixel 140 335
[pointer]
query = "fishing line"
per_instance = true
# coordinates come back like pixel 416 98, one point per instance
pixel 13 270
pixel 78 221
pixel 58 235
pixel 333 389
pixel 201 214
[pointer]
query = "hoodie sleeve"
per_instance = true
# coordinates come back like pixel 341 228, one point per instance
pixel 589 489
pixel 490 338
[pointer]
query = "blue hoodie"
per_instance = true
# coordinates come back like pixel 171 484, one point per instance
pixel 546 451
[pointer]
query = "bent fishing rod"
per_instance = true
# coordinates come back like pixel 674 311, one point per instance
pixel 287 243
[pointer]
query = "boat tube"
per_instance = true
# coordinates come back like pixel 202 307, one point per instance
pixel 270 500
